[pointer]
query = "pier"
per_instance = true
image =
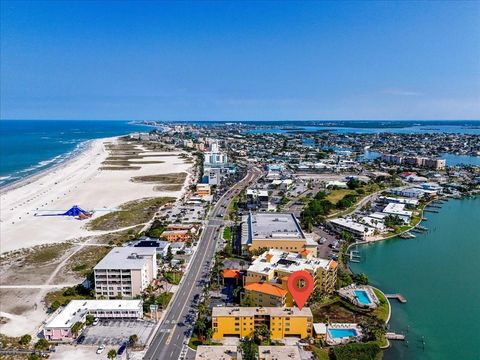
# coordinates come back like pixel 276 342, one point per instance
pixel 407 235
pixel 394 336
pixel 354 256
pixel 397 296
pixel 430 210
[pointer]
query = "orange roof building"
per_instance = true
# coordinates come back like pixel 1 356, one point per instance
pixel 231 274
pixel 265 294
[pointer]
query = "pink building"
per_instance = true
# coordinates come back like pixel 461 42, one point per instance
pixel 60 328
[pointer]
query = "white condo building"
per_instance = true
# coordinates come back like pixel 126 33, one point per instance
pixel 125 272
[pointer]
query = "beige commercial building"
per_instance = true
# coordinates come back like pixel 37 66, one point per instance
pixel 278 353
pixel 217 352
pixel 275 231
pixel 125 272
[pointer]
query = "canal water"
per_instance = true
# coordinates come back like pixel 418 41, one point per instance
pixel 439 274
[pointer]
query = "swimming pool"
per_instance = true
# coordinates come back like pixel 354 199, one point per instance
pixel 362 297
pixel 342 333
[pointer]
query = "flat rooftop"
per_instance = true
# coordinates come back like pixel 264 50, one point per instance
pixel 274 226
pixel 350 224
pixel 126 258
pixel 286 262
pixel 259 311
pixel 216 352
pixel 396 209
pixel 76 309
pixel 279 353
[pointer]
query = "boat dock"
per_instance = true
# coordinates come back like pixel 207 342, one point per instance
pixel 394 336
pixel 397 296
pixel 430 210
pixel 354 256
pixel 407 235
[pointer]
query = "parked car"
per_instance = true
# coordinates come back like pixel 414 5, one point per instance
pixel 100 349
pixel 96 321
pixel 122 348
pixel 81 339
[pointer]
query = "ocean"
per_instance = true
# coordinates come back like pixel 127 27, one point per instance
pixel 30 146
pixel 437 272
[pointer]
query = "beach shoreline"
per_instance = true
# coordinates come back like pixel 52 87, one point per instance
pixel 71 156
pixel 81 180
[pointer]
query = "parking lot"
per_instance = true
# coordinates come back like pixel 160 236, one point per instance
pixel 114 332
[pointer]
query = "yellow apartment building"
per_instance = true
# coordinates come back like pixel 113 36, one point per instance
pixel 242 321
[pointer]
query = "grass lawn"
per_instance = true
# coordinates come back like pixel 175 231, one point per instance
pixel 381 312
pixel 335 195
pixel 120 237
pixel 168 187
pixel 131 213
pixel 46 253
pixel 319 354
pixel 227 233
pixel 84 260
pixel 232 208
pixel 194 342
pixel 164 299
pixel 120 168
pixel 173 178
pixel 173 277
pixel 62 298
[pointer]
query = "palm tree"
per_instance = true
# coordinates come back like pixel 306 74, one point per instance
pixel 112 354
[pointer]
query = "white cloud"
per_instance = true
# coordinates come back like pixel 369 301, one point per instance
pixel 401 92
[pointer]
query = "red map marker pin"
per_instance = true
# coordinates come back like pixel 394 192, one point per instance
pixel 300 284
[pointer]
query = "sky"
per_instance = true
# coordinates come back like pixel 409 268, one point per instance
pixel 240 60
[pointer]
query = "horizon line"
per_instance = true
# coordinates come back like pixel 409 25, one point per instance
pixel 246 120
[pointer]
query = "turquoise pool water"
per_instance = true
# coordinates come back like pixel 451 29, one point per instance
pixel 341 333
pixel 362 297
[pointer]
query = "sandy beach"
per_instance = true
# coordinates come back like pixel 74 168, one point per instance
pixel 80 181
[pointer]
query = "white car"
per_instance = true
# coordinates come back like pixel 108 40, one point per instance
pixel 100 349
pixel 95 322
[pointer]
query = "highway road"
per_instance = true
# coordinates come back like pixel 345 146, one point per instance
pixel 169 340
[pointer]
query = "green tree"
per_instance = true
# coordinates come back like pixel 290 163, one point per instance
pixel 25 340
pixel 132 340
pixel 34 357
pixel 236 292
pixel 201 326
pixel 246 300
pixel 361 279
pixel 249 349
pixel 76 328
pixel 262 335
pixel 112 354
pixel 42 344
pixel 89 319
pixel 55 305
pixel 354 183
pixel 169 255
